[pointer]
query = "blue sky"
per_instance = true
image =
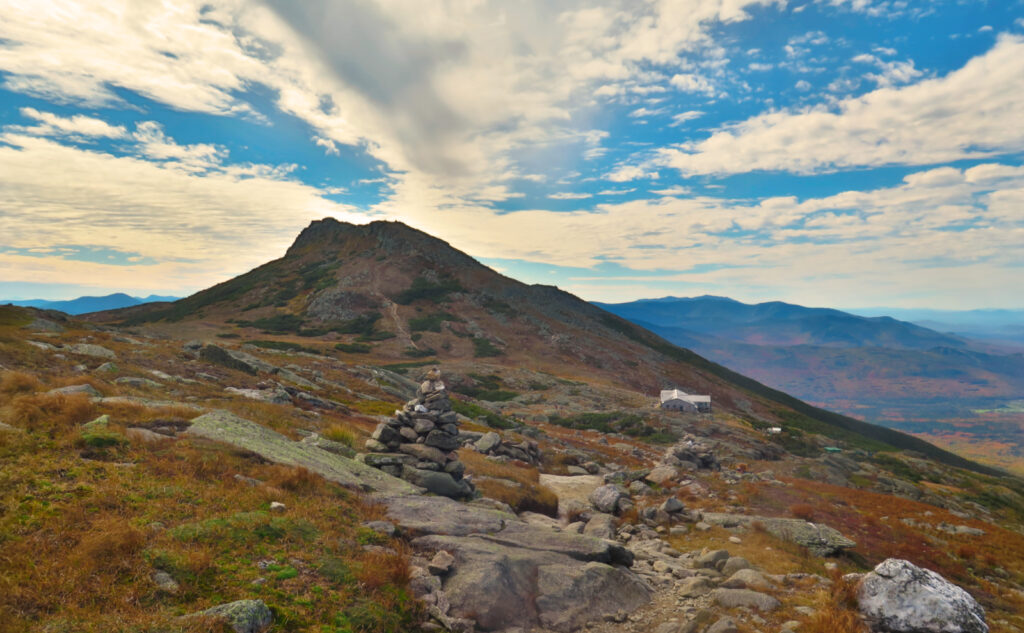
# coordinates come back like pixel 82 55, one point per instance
pixel 843 153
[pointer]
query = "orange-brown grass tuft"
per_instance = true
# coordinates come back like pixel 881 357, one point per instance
pixel 12 382
pixel 111 544
pixel 53 413
pixel 518 486
pixel 297 480
pixel 803 511
pixel 838 614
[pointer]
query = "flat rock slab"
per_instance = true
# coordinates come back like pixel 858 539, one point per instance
pixel 224 426
pixel 502 586
pixel 820 539
pixel 572 490
pixel 420 516
pixel 510 573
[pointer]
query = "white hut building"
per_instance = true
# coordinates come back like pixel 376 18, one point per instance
pixel 678 400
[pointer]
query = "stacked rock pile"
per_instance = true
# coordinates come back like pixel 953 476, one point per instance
pixel 418 444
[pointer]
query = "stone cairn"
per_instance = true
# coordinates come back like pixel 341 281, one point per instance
pixel 418 444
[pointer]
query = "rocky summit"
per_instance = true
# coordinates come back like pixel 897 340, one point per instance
pixel 376 433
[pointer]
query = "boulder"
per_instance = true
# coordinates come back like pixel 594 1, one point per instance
pixel 439 439
pixel 89 349
pixel 71 390
pixel 424 452
pixel 672 505
pixel 606 498
pixel 600 526
pixel 441 563
pixel 748 579
pixel 725 625
pixel 734 564
pixel 504 584
pixel 438 483
pixel 243 616
pixel 488 442
pixel 731 598
pixel 900 597
pixel 712 559
pixel 663 474
pixel 233 359
pixel 135 381
pixel 695 586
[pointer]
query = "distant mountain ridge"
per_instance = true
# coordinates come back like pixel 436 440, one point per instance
pixel 880 369
pixel 397 293
pixel 85 305
pixel 778 323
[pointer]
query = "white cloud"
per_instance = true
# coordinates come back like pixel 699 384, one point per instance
pixel 567 195
pixel 689 82
pixel 330 147
pixel 803 85
pixel 202 226
pixel 683 117
pixel 615 192
pixel 892 72
pixel 626 173
pixel 77 125
pixel 675 190
pixel 970 113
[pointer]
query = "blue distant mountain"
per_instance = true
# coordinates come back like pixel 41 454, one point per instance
pixel 84 305
pixel 878 368
pixel 780 324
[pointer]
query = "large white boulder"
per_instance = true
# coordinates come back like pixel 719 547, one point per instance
pixel 900 597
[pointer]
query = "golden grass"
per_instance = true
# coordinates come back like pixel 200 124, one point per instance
pixel 19 382
pixel 518 486
pixel 80 539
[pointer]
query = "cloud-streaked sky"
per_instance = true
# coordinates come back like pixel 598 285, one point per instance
pixel 843 153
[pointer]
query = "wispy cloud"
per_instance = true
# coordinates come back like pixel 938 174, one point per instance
pixel 970 113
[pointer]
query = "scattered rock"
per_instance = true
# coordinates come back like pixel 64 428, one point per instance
pixel 90 349
pixel 277 506
pixel 243 616
pixel 734 564
pixel 600 525
pixel 134 381
pixel 164 582
pixel 606 498
pixel 748 579
pixel 672 505
pixel 71 390
pixel 820 539
pixel 145 435
pixel 725 625
pixel 901 597
pixel 488 442
pixel 107 368
pixel 441 563
pixel 730 598
pixel 712 559
pixel 695 586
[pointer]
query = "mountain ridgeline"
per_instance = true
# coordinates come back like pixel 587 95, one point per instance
pixel 401 294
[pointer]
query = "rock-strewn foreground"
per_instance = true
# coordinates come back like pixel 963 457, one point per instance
pixel 507 572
